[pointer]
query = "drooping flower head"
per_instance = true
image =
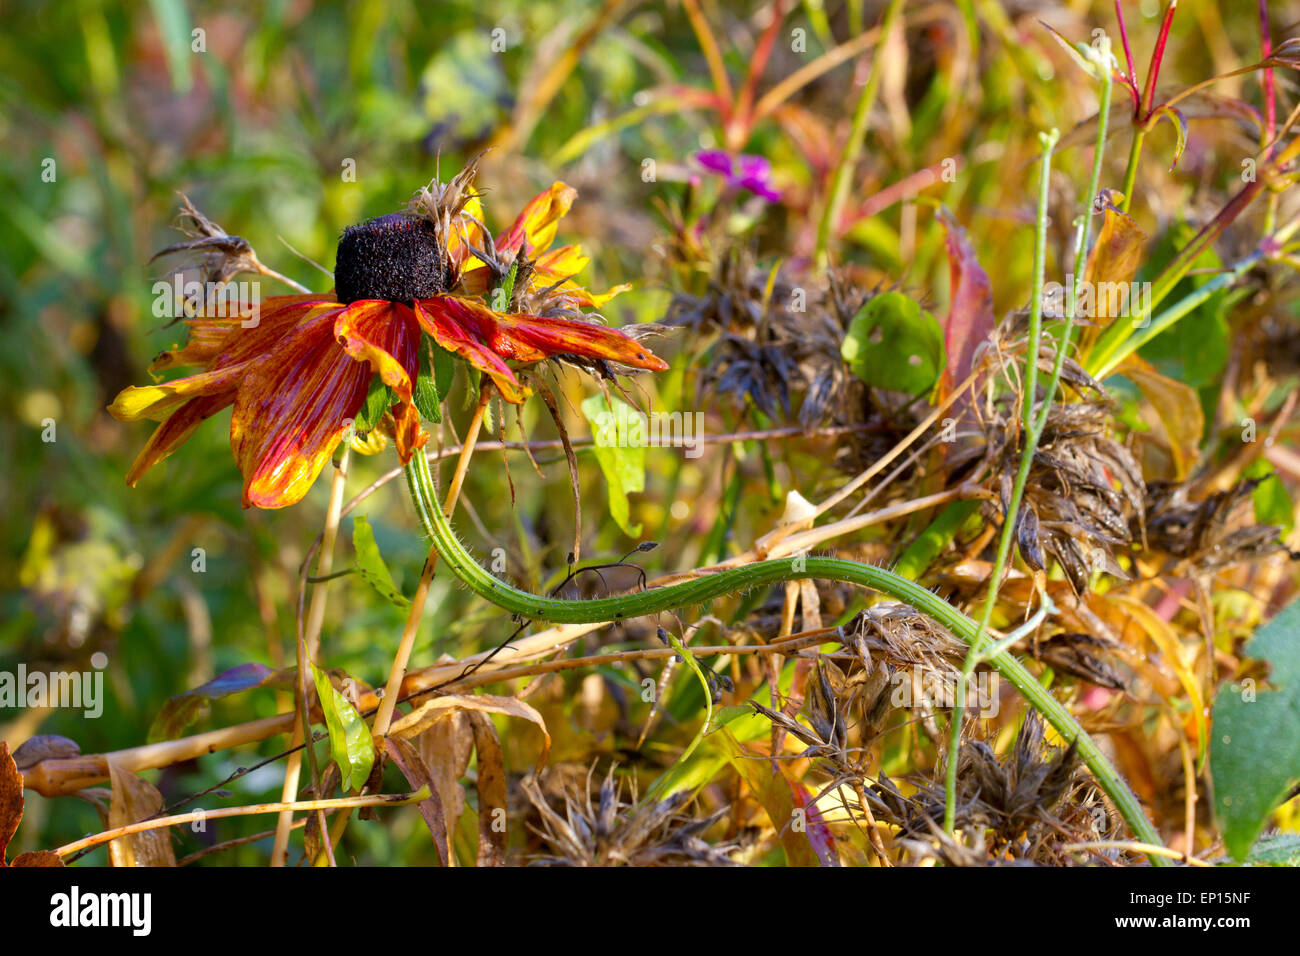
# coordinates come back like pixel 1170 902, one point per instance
pixel 298 376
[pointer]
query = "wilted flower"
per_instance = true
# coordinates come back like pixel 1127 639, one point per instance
pixel 298 375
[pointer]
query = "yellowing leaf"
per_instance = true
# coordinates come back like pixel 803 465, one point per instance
pixel 1178 407
pixel 1112 263
pixel 428 713
pixel 1172 650
pixel 134 800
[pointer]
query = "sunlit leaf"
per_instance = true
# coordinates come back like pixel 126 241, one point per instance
pixel 350 742
pixel 621 454
pixel 1112 263
pixel 1178 407
pixel 370 563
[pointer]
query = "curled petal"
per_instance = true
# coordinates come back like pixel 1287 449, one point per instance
pixel 530 338
pixel 562 263
pixel 486 338
pixel 385 335
pixel 585 298
pixel 537 224
pixel 407 433
pixel 463 326
pixel 292 410
pixel 254 328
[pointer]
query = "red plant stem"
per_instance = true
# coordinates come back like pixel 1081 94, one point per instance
pixel 745 103
pixel 1157 57
pixel 1130 78
pixel 1266 50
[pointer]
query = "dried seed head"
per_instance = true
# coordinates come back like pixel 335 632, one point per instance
pixel 395 257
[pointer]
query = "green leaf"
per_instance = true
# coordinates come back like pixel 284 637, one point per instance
pixel 425 394
pixel 620 450
pixel 892 343
pixel 1276 849
pixel 444 369
pixel 1255 751
pixel 177 41
pixel 350 741
pixel 1270 497
pixel 378 400
pixel 1197 350
pixel 929 544
pixel 370 563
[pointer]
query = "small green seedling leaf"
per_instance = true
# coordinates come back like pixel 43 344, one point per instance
pixel 370 563
pixel 892 343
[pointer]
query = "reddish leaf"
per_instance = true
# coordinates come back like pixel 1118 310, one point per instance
pixel 417 774
pixel 38 858
pixel 970 312
pixel 491 792
pixel 11 799
pixel 780 798
pixel 820 837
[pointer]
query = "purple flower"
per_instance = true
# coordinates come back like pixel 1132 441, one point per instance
pixel 746 171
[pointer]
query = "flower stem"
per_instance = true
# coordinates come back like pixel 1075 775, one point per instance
pixel 1033 426
pixel 763 574
pixel 384 718
pixel 308 644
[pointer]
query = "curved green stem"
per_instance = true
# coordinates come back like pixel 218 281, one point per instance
pixel 763 574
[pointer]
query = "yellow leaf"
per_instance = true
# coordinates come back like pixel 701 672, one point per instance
pixel 1176 404
pixel 1173 651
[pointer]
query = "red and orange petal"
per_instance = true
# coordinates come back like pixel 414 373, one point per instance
pixel 407 433
pixel 225 340
pixel 172 433
pixel 538 223
pixel 384 335
pixel 292 410
pixel 160 401
pixel 486 339
pixel 455 325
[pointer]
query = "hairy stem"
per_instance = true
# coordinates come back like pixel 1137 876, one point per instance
pixel 761 574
